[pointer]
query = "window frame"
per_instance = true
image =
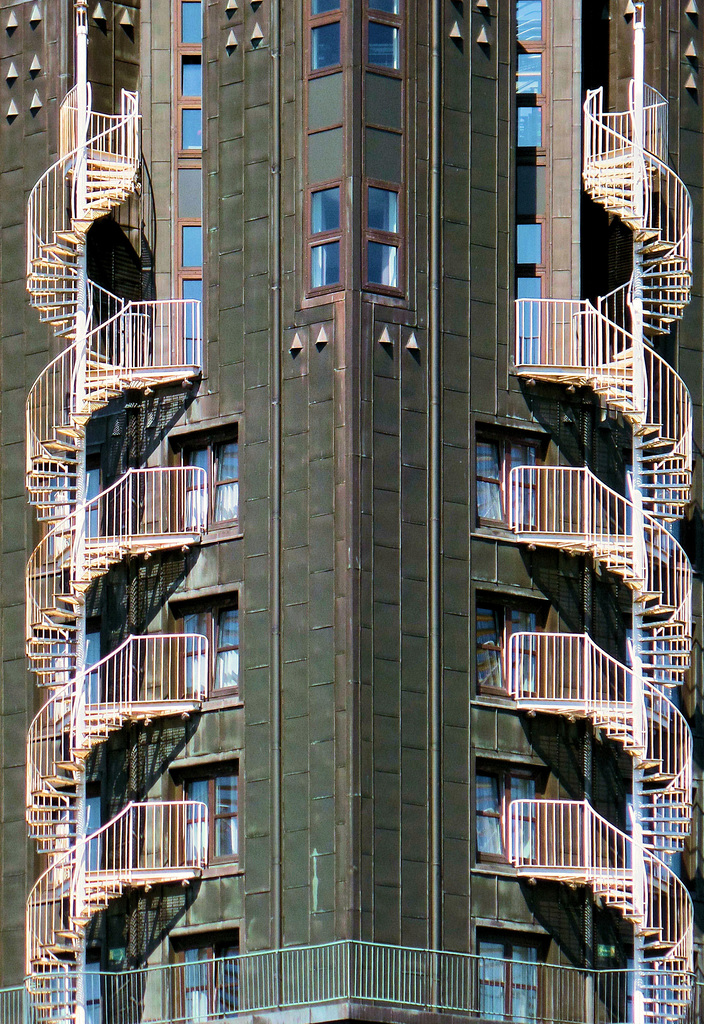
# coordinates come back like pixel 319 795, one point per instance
pixel 209 443
pixel 209 774
pixel 210 949
pixel 318 21
pixel 503 773
pixel 511 943
pixel 506 443
pixel 505 609
pixel 314 239
pixel 394 238
pixel 211 632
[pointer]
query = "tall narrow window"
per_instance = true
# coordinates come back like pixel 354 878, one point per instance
pixel 188 185
pixel 531 81
pixel 219 838
pixel 508 980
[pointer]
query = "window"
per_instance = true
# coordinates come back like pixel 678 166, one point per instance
pixel 93 1001
pixel 325 250
pixel 220 460
pixel 495 459
pixel 220 842
pixel 383 237
pixel 210 987
pixel 383 45
pixel 495 788
pixel 188 93
pixel 495 624
pixel 221 626
pixel 508 980
pixel 325 46
pixel 532 77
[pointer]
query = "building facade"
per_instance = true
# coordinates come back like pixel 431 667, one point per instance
pixel 351 404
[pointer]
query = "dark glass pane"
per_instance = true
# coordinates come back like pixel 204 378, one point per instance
pixel 530 126
pixel 324 6
pixel 191 22
pixel 192 246
pixel 382 264
pixel 390 6
pixel 530 190
pixel 191 128
pixel 529 75
pixel 325 264
pixel 190 193
pixel 325 210
pixel 325 46
pixel 529 20
pixel 191 76
pixel 383 209
pixel 383 45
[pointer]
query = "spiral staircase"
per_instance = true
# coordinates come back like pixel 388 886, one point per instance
pixel 110 346
pixel 607 346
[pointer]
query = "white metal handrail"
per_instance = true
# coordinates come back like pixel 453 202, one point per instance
pixel 569 507
pixel 142 345
pixel 146 510
pixel 146 677
pixel 568 674
pixel 54 230
pixel 145 844
pixel 566 840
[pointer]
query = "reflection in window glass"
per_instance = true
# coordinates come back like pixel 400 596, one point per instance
pixel 226 482
pixel 191 76
pixel 191 289
pixel 325 210
pixel 530 126
pixel 530 190
pixel 382 264
pixel 528 287
pixel 529 73
pixel 227 659
pixel 529 20
pixel 383 45
pixel 488 815
pixel 529 239
pixel 191 22
pixel 196 822
pixel 226 833
pixel 488 481
pixel 389 6
pixel 383 209
pixel 191 129
pixel 325 264
pixel 324 6
pixel 325 46
pixel 192 245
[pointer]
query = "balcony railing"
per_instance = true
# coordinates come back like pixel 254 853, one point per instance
pixel 146 844
pixel 569 508
pixel 146 677
pixel 146 510
pixel 481 989
pixel 568 674
pixel 567 841
pixel 141 346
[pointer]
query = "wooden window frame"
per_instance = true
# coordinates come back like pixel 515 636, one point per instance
pixel 210 949
pixel 393 238
pixel 504 774
pixel 211 443
pixel 323 237
pixel 209 774
pixel 506 443
pixel 212 612
pixel 504 609
pixel 318 21
pixel 510 944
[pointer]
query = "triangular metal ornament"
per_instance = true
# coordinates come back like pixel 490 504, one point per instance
pixel 11 73
pixel 127 18
pixel 36 15
pixel 322 339
pixel 296 345
pixel 231 43
pixel 385 339
pixel 483 38
pixel 692 9
pixel 691 83
pixel 455 31
pixel 99 13
pixel 12 111
pixel 11 22
pixel 630 9
pixel 257 35
pixel 35 67
pixel 412 344
pixel 483 5
pixel 691 50
pixel 36 103
pixel 230 7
